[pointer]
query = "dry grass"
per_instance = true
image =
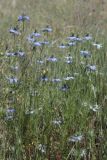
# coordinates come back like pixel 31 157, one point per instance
pixel 83 14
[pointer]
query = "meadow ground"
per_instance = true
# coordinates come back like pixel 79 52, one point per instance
pixel 53 80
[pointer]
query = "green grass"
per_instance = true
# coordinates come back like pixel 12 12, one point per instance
pixel 46 118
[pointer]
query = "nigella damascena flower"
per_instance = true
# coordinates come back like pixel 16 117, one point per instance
pixel 95 108
pixel 44 78
pixel 10 54
pixel 56 80
pixel 68 78
pixel 36 34
pixel 14 31
pixel 37 44
pixel 45 42
pixel 10 113
pixel 85 53
pixel 76 138
pixel 87 37
pixel 71 44
pixel 69 61
pixel 72 37
pixel 42 148
pixel 78 39
pixel 64 87
pixel 62 46
pixel 98 46
pixel 23 18
pixel 52 59
pixel 21 53
pixel 91 68
pixel 30 39
pixel 29 112
pixel 13 80
pixel 57 122
pixel 10 110
pixel 40 61
pixel 47 29
pixel 68 57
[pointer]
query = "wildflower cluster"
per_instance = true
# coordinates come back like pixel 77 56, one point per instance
pixel 51 86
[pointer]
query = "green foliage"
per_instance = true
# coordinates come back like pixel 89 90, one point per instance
pixel 52 99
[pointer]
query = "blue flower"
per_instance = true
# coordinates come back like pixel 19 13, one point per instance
pixel 52 59
pixel 62 46
pixel 68 78
pixel 56 80
pixel 78 39
pixel 91 67
pixel 87 37
pixel 95 108
pixel 10 54
pixel 44 78
pixel 10 113
pixel 44 42
pixel 11 110
pixel 47 29
pixel 14 31
pixel 40 61
pixel 36 34
pixel 23 18
pixel 76 138
pixel 71 44
pixel 20 53
pixel 42 148
pixel 30 39
pixel 69 57
pixel 98 46
pixel 13 80
pixel 64 87
pixel 29 112
pixel 37 44
pixel 57 122
pixel 72 38
pixel 85 53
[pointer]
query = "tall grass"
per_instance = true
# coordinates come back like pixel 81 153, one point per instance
pixel 52 96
